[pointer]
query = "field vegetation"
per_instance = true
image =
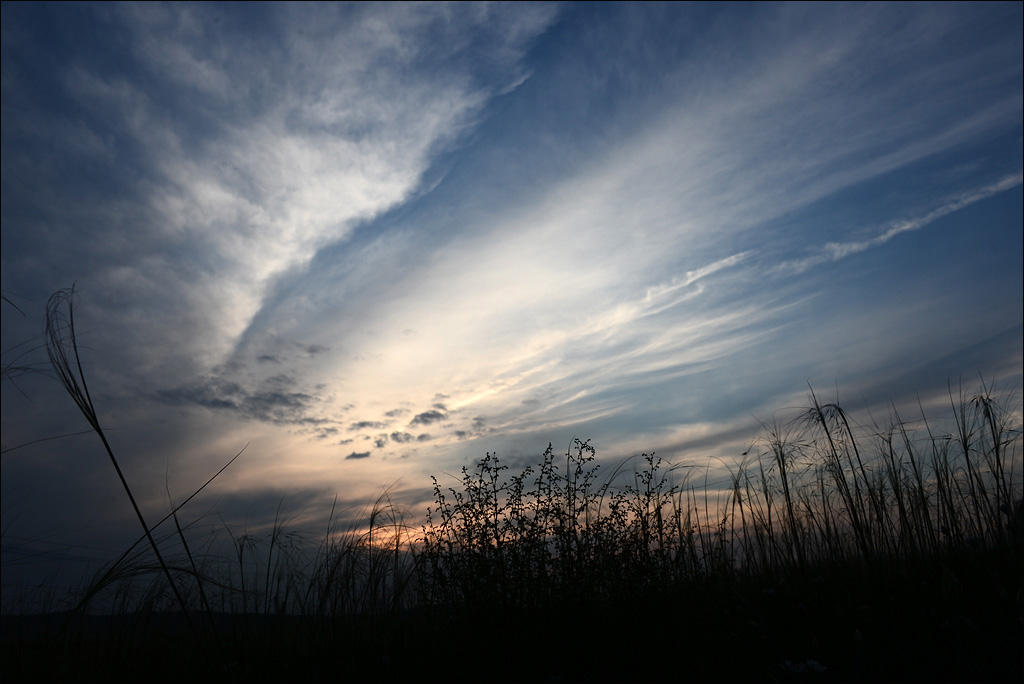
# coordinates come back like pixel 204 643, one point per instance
pixel 836 552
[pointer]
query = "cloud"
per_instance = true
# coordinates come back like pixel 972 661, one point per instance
pixel 646 263
pixel 326 433
pixel 247 145
pixel 355 455
pixel 834 251
pixel 367 425
pixel 658 292
pixel 272 401
pixel 428 417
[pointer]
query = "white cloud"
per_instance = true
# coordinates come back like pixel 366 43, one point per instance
pixel 290 138
pixel 834 251
pixel 631 272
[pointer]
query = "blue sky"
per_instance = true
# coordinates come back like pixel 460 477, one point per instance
pixel 374 242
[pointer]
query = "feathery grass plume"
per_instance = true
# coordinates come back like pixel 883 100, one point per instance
pixel 62 349
pixel 11 369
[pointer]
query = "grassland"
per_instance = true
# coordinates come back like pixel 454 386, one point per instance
pixel 836 552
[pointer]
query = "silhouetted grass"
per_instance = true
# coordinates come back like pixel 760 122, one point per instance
pixel 833 552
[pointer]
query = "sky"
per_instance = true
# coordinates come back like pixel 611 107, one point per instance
pixel 370 243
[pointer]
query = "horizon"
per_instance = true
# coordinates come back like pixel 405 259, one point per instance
pixel 369 244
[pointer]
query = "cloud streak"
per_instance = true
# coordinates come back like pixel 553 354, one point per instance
pixel 834 251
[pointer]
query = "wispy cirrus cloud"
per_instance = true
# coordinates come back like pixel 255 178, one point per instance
pixel 260 157
pixel 834 251
pixel 655 259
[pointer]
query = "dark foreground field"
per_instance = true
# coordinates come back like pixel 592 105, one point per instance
pixel 836 553
pixel 957 618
